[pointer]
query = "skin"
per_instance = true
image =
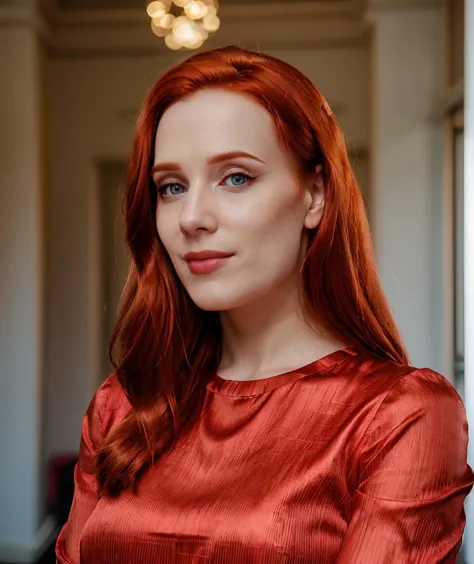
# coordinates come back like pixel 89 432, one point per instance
pixel 256 208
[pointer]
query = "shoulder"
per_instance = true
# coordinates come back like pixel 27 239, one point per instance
pixel 108 407
pixel 384 382
pixel 415 440
pixel 425 388
pixel 404 390
pixel 417 414
pixel 389 399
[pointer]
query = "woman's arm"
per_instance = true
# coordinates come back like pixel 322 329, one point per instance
pixel 413 477
pixel 85 484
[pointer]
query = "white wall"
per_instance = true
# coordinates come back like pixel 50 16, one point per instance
pixel 408 201
pixel 21 286
pixel 88 102
pixel 469 257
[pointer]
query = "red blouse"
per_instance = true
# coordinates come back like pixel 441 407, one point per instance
pixel 351 459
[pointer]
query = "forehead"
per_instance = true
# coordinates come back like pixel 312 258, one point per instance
pixel 214 121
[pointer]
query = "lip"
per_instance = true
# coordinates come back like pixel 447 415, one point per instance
pixel 205 262
pixel 203 255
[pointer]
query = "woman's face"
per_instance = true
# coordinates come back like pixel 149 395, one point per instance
pixel 228 192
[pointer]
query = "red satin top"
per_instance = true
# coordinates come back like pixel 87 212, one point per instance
pixel 351 459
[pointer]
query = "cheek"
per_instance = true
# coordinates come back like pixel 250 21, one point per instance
pixel 273 239
pixel 165 229
pixel 276 217
pixel 165 223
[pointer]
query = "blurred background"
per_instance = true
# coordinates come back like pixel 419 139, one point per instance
pixel 73 74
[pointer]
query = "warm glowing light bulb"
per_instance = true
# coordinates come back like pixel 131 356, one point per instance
pixel 196 9
pixel 189 30
pixel 203 33
pixel 196 44
pixel 167 21
pixel 189 34
pixel 211 23
pixel 156 9
pixel 172 42
pixel 157 29
pixel 211 11
pixel 179 21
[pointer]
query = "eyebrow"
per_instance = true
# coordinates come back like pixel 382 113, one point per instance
pixel 215 159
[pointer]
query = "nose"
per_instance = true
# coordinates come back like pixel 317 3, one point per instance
pixel 198 213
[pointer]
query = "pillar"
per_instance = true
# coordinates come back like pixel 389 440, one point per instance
pixel 21 279
pixel 407 181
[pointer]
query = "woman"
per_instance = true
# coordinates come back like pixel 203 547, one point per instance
pixel 263 409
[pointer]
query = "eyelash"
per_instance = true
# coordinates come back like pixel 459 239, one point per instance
pixel 249 178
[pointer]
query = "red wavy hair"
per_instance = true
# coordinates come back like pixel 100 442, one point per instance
pixel 163 347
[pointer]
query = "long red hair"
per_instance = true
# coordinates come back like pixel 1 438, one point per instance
pixel 164 347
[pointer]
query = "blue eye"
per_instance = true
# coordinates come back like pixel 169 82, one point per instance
pixel 168 190
pixel 238 179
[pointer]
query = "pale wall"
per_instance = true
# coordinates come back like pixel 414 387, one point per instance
pixel 409 207
pixel 21 284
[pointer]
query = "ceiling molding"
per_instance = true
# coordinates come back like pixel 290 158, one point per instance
pixel 24 13
pixel 17 4
pixel 272 10
pixel 380 5
pixel 96 33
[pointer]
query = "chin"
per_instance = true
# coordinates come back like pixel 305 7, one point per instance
pixel 217 299
pixel 214 303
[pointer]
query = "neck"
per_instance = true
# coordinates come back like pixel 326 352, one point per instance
pixel 271 336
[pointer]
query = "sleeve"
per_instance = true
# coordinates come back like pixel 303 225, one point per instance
pixel 85 484
pixel 413 477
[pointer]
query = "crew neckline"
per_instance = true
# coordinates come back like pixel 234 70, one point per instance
pixel 255 387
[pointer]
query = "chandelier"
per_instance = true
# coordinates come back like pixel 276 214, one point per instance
pixel 184 23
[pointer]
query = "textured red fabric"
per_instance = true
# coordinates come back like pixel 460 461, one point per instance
pixel 351 459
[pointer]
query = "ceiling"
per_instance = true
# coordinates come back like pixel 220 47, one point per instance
pixel 138 4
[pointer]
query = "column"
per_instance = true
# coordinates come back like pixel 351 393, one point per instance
pixel 407 182
pixel 469 255
pixel 21 279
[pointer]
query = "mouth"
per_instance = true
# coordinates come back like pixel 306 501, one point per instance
pixel 205 262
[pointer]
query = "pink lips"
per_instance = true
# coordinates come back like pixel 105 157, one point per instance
pixel 205 262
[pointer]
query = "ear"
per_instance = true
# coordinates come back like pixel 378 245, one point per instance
pixel 315 199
